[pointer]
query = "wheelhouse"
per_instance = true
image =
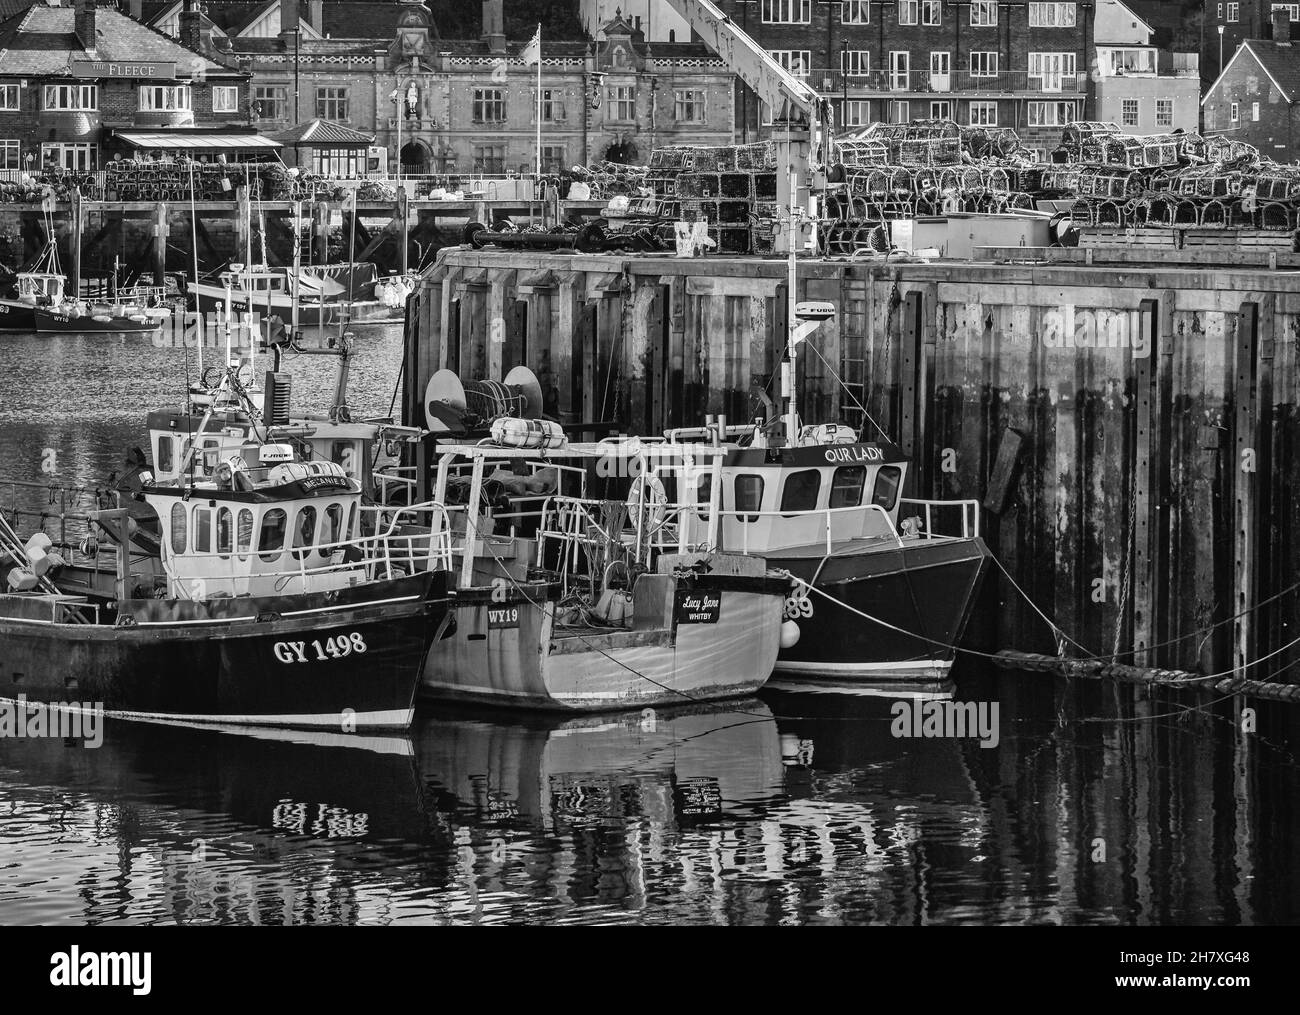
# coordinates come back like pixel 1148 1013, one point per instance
pixel 40 287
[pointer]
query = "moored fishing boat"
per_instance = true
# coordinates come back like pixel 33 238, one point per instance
pixel 649 610
pixel 271 607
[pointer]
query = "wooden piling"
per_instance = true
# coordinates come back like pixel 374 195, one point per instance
pixel 78 221
pixel 160 231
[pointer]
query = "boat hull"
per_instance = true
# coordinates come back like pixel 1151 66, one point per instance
pixel 261 662
pixel 58 323
pixel 17 316
pixel 538 664
pixel 209 299
pixel 923 593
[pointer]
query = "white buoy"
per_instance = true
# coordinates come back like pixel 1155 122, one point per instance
pixel 789 634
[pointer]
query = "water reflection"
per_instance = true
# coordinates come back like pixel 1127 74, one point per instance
pixel 799 808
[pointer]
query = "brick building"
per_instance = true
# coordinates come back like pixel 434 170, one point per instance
pixel 447 105
pixel 1143 81
pixel 1009 64
pixel 82 82
pixel 1228 25
pixel 1257 97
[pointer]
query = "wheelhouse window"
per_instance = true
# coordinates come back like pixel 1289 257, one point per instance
pixel 225 533
pixel 244 532
pixel 847 485
pixel 180 530
pixel 749 496
pixel 271 539
pixel 800 492
pixel 164 98
pixel 885 494
pixel 63 98
pixel 704 493
pixel 331 529
pixel 202 530
pixel 164 455
pixel 304 532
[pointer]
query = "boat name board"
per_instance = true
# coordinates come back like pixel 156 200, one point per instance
pixel 334 648
pixel 854 453
pixel 694 606
pixel 502 617
pixel 316 482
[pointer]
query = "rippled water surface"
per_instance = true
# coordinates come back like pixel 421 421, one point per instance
pixel 1099 804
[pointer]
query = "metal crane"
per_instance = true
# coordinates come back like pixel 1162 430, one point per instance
pixel 800 117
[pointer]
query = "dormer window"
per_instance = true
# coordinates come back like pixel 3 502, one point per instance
pixel 164 98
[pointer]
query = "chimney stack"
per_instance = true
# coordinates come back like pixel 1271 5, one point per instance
pixel 85 24
pixel 494 25
pixel 190 24
pixel 316 15
pixel 137 9
pixel 1281 25
pixel 289 19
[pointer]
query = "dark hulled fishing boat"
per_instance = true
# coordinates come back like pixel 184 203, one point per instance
pixel 275 601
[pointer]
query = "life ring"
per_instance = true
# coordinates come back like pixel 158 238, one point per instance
pixel 647 500
pixel 102 318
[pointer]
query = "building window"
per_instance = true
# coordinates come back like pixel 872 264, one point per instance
pixel 622 102
pixel 164 98
pixel 332 104
pixel 983 114
pixel 855 63
pixel 984 13
pixel 984 63
pixel 941 110
pixel 1050 114
pixel 856 113
pixel 932 13
pixel 490 158
pixel 787 12
pixel 10 155
pixel 1233 113
pixel 900 111
pixel 1293 9
pixel 225 98
pixel 1164 112
pixel 909 12
pixel 338 163
pixel 1052 70
pixel 1254 112
pixel 9 102
pixel 553 158
pixel 489 105
pixel 1130 113
pixel 1053 15
pixel 269 102
pixel 553 110
pixel 796 61
pixel 1137 60
pixel 1233 11
pixel 855 12
pixel 73 156
pixel 71 97
pixel 688 105
pixel 900 69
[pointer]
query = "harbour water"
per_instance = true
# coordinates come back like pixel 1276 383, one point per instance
pixel 1098 804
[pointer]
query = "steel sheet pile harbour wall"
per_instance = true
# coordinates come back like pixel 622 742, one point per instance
pixel 1131 433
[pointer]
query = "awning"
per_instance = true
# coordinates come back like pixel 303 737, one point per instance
pixel 139 139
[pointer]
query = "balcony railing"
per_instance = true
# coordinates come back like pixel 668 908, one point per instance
pixel 832 82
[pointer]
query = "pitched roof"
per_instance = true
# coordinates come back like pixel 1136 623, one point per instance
pixel 320 131
pixel 40 41
pixel 1279 60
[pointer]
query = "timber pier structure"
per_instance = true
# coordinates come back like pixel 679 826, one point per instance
pixel 1130 429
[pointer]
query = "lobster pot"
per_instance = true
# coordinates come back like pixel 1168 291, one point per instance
pixel 527 433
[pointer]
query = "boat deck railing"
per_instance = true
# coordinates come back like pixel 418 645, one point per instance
pixel 61 501
pixel 969 523
pixel 829 516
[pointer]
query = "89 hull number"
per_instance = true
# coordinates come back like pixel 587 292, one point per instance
pixel 313 651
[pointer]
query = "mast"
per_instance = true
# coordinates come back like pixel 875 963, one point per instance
pixel 791 321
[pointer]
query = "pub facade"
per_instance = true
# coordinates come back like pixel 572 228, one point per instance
pixel 83 84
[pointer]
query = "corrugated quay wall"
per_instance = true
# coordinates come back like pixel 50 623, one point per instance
pixel 1131 433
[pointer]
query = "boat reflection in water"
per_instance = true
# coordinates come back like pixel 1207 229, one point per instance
pixel 797 808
